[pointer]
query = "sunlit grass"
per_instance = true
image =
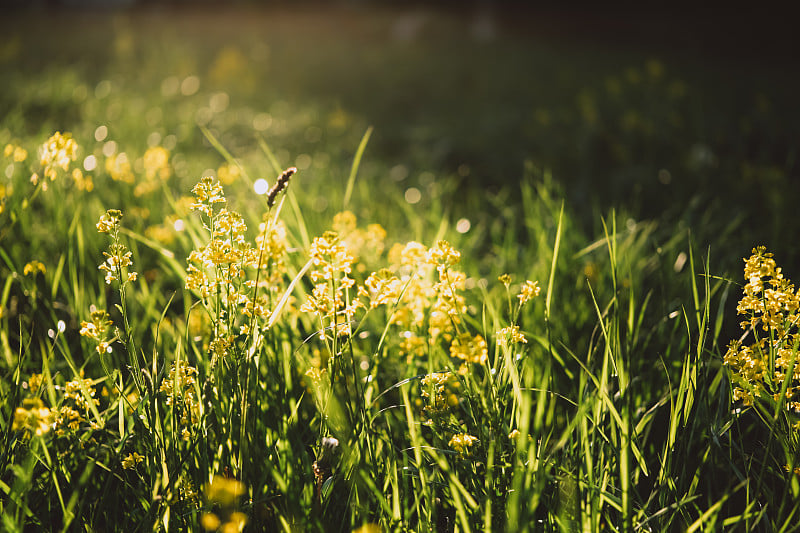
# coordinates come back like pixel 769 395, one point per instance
pixel 219 314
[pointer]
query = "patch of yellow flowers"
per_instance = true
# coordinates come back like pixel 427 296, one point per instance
pixel 767 367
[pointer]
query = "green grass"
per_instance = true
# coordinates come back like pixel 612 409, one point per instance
pixel 616 412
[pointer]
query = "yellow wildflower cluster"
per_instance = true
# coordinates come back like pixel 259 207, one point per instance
pixel 229 268
pixel 426 303
pixel 119 168
pixel 331 298
pixel 470 349
pixel 462 443
pixel 510 335
pixel 179 387
pixel 98 329
pixel 74 390
pixel 32 418
pixel 156 170
pixel 439 392
pixel 33 267
pixel 16 153
pixel 528 291
pixel 130 461
pixel 119 259
pixel 366 246
pixel 770 303
pixel 79 399
pixel 224 493
pixel 34 382
pixel 58 152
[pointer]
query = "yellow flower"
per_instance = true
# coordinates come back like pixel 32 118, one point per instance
pixel 770 303
pixel 34 382
pixel 33 267
pixel 224 491
pixel 32 418
pixel 210 521
pixel 382 288
pixel 82 183
pixel 510 335
pixel 179 387
pixel 110 221
pixel 529 291
pixel 443 255
pixel 119 168
pixel 462 443
pixel 17 153
pixel 236 522
pixel 470 349
pixel 228 174
pixel 131 460
pixel 156 163
pixel 57 153
pixel 207 193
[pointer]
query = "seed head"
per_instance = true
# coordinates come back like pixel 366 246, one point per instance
pixel 283 181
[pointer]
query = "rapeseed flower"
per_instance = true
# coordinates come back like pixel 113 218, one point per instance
pixel 130 461
pixel 528 291
pixel 510 335
pixel 33 418
pixel 179 388
pixel 16 153
pixel 33 267
pixel 119 168
pixel 97 329
pixel 770 303
pixel 471 349
pixel 56 153
pixel 463 443
pixel 331 298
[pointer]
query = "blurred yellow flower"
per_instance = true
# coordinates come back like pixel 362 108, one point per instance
pixel 131 460
pixel 32 418
pixel 33 267
pixel 470 349
pixel 529 291
pixel 224 491
pixel 510 335
pixel 462 443
pixel 119 168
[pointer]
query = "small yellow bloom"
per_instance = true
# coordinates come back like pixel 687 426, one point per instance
pixel 462 443
pixel 470 349
pixel 56 153
pixel 529 291
pixel 119 168
pixel 32 418
pixel 33 267
pixel 368 528
pixel 510 335
pixel 131 460
pixel 210 521
pixel 236 522
pixel 110 221
pixel 224 491
pixel 34 382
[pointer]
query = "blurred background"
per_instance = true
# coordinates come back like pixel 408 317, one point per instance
pixel 683 115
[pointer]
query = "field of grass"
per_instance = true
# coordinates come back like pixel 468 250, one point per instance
pixel 342 270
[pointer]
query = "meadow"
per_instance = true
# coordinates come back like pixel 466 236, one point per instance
pixel 347 270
